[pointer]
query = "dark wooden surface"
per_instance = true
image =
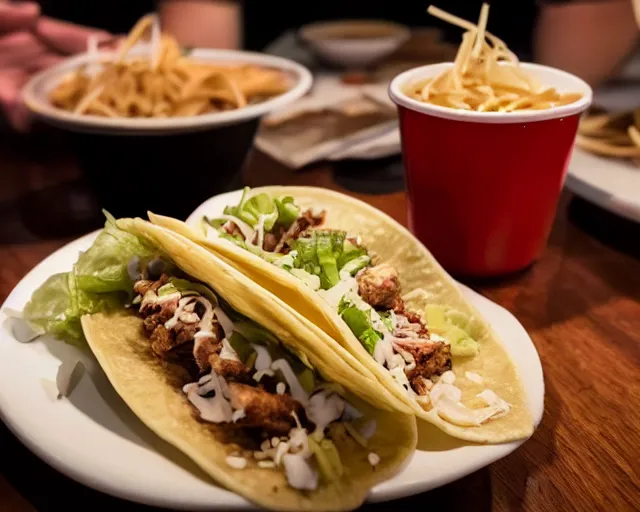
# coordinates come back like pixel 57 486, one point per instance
pixel 579 302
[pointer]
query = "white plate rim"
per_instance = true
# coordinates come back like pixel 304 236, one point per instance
pixel 578 182
pixel 407 482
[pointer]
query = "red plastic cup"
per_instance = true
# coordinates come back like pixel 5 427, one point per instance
pixel 483 186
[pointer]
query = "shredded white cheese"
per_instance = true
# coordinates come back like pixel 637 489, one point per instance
pixel 259 374
pixel 236 462
pixel 299 472
pixel 448 377
pixel 474 377
pixel 324 407
pixel 225 322
pixel 295 388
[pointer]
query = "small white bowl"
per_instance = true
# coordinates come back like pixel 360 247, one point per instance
pixel 35 95
pixel 354 44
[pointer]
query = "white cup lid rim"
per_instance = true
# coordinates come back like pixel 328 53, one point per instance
pixel 572 83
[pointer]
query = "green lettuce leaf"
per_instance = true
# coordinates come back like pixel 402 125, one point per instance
pixel 329 276
pixel 241 345
pixel 262 205
pixel 288 212
pixel 318 254
pixel 369 339
pixel 356 264
pixel 99 282
pixel 281 210
pixel 103 267
pixel 58 304
pixel 360 324
pixel 385 316
pixel 327 458
pixel 349 252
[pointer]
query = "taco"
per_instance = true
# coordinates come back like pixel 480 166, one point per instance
pixel 224 371
pixel 376 291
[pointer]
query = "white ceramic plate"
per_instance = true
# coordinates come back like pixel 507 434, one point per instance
pixel 95 439
pixel 612 183
pixel 36 92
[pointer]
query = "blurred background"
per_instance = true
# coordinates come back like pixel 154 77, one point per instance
pixel 343 134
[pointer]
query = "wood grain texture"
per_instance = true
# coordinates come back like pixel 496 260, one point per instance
pixel 579 302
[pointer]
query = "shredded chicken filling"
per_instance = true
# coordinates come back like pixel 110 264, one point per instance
pixel 183 327
pixel 279 239
pixel 379 287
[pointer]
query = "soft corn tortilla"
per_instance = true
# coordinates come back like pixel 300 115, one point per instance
pixel 152 389
pixel 423 281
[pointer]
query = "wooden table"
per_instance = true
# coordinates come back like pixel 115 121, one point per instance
pixel 579 303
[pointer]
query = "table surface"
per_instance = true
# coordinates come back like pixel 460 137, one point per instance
pixel 579 302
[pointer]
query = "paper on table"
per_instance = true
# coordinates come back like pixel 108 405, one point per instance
pixel 384 145
pixel 329 121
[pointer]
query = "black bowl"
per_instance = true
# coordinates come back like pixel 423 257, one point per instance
pixel 165 165
pixel 166 174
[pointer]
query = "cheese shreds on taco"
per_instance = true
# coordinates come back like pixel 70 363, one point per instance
pixel 225 371
pixel 376 291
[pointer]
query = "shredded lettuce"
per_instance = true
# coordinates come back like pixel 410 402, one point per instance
pixel 236 239
pixel 99 282
pixel 262 205
pixel 385 316
pixel 350 252
pixel 167 289
pixel 279 210
pixel 238 211
pixel 307 380
pixel 318 254
pixel 357 436
pixel 306 255
pixel 241 345
pixel 327 457
pixel 359 322
pixel 288 212
pixel 356 264
pixel 328 248
pixel 103 267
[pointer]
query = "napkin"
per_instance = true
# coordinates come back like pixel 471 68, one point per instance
pixel 328 121
pixel 347 114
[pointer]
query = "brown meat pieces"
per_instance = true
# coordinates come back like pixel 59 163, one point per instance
pixel 379 286
pixel 419 385
pixel 163 340
pixel 228 368
pixel 204 348
pixel 270 413
pixel 232 229
pixel 432 358
pixel 270 242
pixel 306 220
pixel 144 285
pixel 412 317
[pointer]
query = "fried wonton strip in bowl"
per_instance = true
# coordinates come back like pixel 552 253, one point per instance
pixel 378 293
pixel 224 371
